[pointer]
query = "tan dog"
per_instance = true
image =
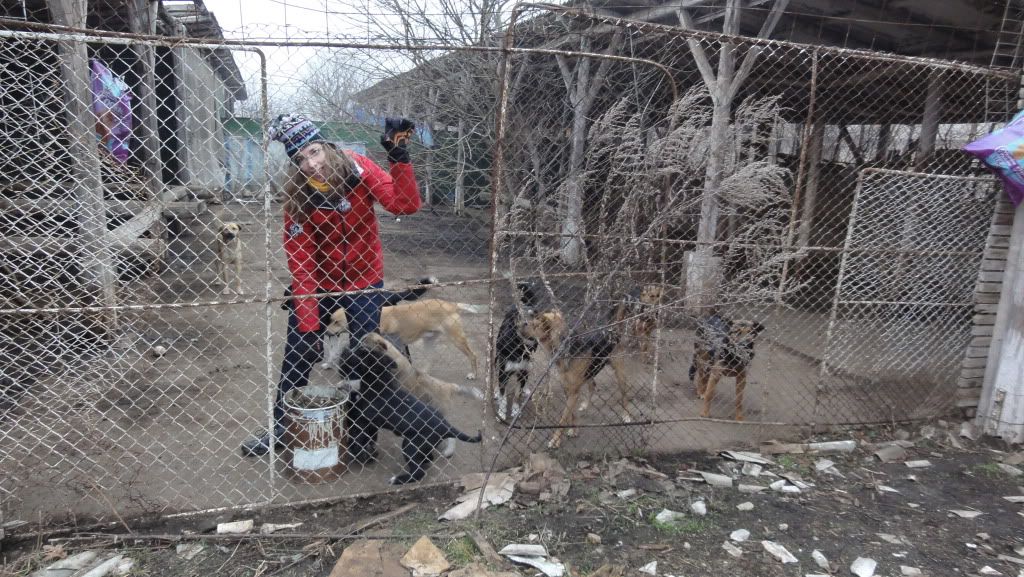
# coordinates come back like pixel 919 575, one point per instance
pixel 413 320
pixel 582 357
pixel 635 316
pixel 229 256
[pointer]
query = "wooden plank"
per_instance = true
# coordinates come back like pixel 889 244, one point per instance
pixel 993 264
pixel 987 298
pixel 135 227
pixel 986 308
pixel 998 242
pixel 969 382
pixel 996 253
pixel 981 331
pixel 1003 218
pixel 975 362
pixel 977 352
pixel 989 287
pixel 981 342
pixel 973 372
pixel 990 276
pixel 980 320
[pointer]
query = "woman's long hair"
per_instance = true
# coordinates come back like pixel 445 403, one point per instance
pixel 340 167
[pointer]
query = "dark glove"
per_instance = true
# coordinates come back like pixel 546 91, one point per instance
pixel 286 304
pixel 397 132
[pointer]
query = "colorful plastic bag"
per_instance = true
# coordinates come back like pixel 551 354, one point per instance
pixel 112 104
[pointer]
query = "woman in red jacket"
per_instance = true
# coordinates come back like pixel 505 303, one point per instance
pixel 332 240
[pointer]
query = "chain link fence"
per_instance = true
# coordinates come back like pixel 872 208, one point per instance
pixel 616 217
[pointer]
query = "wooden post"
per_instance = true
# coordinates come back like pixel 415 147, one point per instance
pixel 1001 410
pixel 82 146
pixel 431 117
pixel 460 167
pixel 141 21
pixel 930 119
pixel 814 151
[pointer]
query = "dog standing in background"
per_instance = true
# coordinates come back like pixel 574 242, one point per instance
pixel 229 256
pixel 723 348
pixel 635 316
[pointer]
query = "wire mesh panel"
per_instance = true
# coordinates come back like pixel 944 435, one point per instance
pixel 650 237
pixel 901 319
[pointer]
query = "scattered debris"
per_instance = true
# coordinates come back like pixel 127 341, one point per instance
pixel 699 508
pixel 668 516
pixel 739 535
pixel 820 560
pixel 535 556
pixel 158 351
pixel 745 506
pixel 775 448
pixel 424 559
pixel 1014 459
pixel 920 464
pixel 477 570
pixel 927 432
pixel 499 490
pixel 863 567
pixel 235 527
pixel 747 457
pixel 885 489
pixel 823 464
pixel 1010 559
pixel 891 453
pixel 593 539
pixel 778 551
pixel 750 488
pixel 732 549
pixel 1010 470
pixel 969 431
pixel 608 570
pixel 627 494
pixel 67 566
pixel 965 513
pixel 910 571
pixel 650 568
pixel 986 570
pixel 1015 498
pixel 716 480
pixel 893 539
pixel 367 557
pixel 832 447
pixel 751 469
pixel 783 526
pixel 267 528
pixel 190 550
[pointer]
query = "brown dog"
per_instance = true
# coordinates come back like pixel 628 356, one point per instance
pixel 724 348
pixel 229 256
pixel 582 356
pixel 635 316
pixel 413 320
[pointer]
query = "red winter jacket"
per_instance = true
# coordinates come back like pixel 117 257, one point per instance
pixel 340 250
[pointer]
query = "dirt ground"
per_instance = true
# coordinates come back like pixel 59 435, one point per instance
pixel 860 507
pixel 147 434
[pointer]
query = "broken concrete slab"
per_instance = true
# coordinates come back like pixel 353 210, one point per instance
pixel 368 559
pixel 779 552
pixel 424 559
pixel 747 457
pixel 863 567
pixel 732 549
pixel 890 454
pixel 235 527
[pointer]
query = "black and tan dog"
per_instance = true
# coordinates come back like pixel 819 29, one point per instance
pixel 579 357
pixel 724 348
pixel 382 403
pixel 635 316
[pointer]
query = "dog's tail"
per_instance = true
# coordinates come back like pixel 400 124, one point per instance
pixel 457 434
pixel 392 298
pixel 472 309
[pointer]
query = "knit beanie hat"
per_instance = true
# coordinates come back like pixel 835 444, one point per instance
pixel 294 131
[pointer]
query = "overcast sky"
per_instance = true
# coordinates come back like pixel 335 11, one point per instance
pixel 293 20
